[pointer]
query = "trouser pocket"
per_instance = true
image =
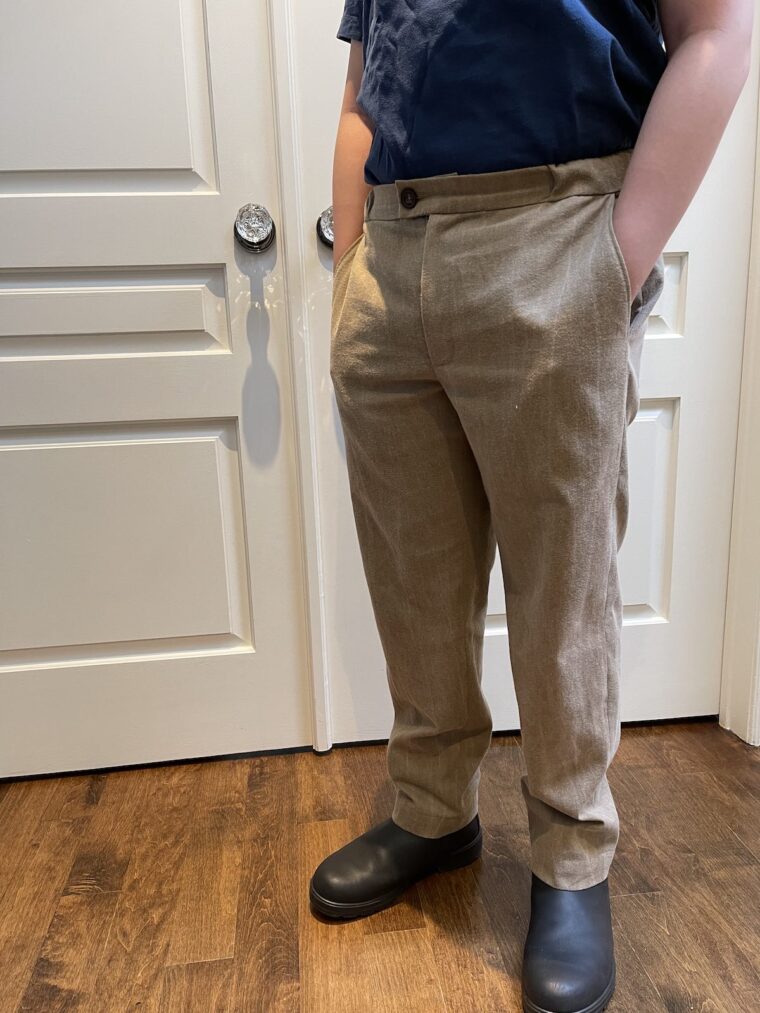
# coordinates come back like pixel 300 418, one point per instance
pixel 341 276
pixel 611 205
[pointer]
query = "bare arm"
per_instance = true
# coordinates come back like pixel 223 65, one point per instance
pixel 708 45
pixel 352 146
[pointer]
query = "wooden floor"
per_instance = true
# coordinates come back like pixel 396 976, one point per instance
pixel 185 887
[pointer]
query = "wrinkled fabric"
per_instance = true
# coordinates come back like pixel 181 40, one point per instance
pixel 485 85
pixel 485 354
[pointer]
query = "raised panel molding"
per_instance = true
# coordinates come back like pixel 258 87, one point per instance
pixel 132 116
pixel 646 555
pixel 134 536
pixel 51 314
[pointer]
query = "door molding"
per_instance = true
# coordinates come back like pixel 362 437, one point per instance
pixel 295 256
pixel 740 682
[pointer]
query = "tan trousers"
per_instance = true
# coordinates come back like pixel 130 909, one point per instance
pixel 485 358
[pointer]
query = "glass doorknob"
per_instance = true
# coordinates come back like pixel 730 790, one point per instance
pixel 254 228
pixel 325 232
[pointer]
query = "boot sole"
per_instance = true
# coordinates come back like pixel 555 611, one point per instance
pixel 446 863
pixel 597 1006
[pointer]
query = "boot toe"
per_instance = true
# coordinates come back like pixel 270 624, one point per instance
pixel 553 986
pixel 354 880
pixel 339 881
pixel 330 884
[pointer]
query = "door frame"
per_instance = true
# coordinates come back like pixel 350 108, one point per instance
pixel 740 676
pixel 301 321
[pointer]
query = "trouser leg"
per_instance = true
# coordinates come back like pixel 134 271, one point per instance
pixel 540 379
pixel 424 530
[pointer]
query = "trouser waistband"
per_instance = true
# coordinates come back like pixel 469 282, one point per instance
pixel 454 193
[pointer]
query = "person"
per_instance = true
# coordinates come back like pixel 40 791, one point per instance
pixel 505 178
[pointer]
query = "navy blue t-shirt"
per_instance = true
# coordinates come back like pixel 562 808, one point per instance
pixel 483 85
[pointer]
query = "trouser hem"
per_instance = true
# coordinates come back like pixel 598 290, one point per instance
pixel 568 878
pixel 426 824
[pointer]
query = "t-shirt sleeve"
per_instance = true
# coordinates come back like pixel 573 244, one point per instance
pixel 350 26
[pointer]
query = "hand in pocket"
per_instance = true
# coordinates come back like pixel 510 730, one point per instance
pixel 637 255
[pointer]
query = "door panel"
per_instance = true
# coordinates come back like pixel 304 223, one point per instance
pixel 149 526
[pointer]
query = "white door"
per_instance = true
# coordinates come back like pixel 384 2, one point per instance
pixel 150 563
pixel 682 449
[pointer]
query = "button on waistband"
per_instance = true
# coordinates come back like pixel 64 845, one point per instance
pixel 408 197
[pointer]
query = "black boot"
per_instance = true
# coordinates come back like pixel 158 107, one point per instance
pixel 568 960
pixel 370 872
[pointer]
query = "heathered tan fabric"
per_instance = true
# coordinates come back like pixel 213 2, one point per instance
pixel 485 358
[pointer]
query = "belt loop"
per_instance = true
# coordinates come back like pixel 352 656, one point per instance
pixel 554 176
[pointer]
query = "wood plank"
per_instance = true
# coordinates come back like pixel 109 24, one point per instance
pixel 136 950
pixel 65 972
pixel 635 992
pixel 205 986
pixel 471 966
pixel 205 916
pixel 321 788
pixel 30 901
pixel 266 940
pixel 691 965
pixel 75 796
pixel 503 877
pixel 21 809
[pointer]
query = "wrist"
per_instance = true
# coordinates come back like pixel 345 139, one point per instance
pixel 636 244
